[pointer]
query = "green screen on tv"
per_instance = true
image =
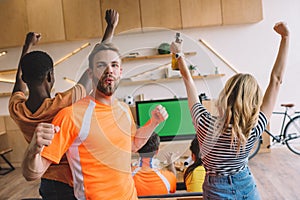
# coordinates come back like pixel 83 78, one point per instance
pixel 179 124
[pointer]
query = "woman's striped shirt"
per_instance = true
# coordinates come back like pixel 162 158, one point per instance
pixel 218 155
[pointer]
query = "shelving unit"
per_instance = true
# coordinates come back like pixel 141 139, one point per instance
pixel 126 59
pixel 129 82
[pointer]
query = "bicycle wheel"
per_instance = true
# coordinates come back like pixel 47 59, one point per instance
pixel 255 148
pixel 292 134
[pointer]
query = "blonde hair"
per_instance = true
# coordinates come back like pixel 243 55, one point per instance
pixel 239 105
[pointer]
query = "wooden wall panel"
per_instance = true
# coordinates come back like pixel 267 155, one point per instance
pixel 199 13
pixel 13 23
pixel 129 14
pixel 241 11
pixel 2 125
pixel 82 19
pixel 46 17
pixel 161 13
pixel 13 139
pixel 10 124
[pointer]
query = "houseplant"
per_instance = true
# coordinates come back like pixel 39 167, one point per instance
pixel 193 70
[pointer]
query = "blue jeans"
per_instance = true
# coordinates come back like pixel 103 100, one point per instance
pixel 238 186
pixel 55 190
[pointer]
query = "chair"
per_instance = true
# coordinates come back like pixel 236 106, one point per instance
pixel 4 171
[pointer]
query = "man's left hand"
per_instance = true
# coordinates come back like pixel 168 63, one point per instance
pixel 159 114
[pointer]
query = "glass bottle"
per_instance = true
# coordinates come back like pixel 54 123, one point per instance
pixel 174 60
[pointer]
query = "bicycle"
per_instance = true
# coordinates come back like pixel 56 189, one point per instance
pixel 289 133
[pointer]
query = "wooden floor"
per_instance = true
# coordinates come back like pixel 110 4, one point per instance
pixel 277 175
pixel 14 187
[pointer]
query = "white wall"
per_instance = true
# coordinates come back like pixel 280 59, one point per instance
pixel 249 48
pixel 253 48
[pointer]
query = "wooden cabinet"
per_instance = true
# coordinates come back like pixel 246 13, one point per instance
pixel 129 11
pixel 46 17
pixel 82 19
pixel 161 13
pixel 60 20
pixel 13 23
pixel 198 13
pixel 241 11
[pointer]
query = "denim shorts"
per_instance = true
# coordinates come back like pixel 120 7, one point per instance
pixel 234 187
pixel 55 190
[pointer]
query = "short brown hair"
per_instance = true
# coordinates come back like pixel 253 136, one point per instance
pixel 102 47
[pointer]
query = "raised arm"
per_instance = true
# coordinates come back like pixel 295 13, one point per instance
pixel 112 19
pixel 34 165
pixel 277 73
pixel 31 40
pixel 159 114
pixel 170 159
pixel 86 81
pixel 187 78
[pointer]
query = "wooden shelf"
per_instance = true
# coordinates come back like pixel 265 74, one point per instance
pixel 5 94
pixel 126 59
pixel 129 82
pixel 8 94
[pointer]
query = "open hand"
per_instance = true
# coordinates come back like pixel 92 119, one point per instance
pixel 170 157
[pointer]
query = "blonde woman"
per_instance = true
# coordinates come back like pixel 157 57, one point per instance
pixel 226 139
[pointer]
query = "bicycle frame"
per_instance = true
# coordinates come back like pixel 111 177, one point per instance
pixel 279 138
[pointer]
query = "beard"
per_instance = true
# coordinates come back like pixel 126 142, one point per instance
pixel 107 88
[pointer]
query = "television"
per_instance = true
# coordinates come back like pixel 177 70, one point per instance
pixel 179 124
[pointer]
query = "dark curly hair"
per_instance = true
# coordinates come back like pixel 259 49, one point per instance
pixel 35 66
pixel 150 148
